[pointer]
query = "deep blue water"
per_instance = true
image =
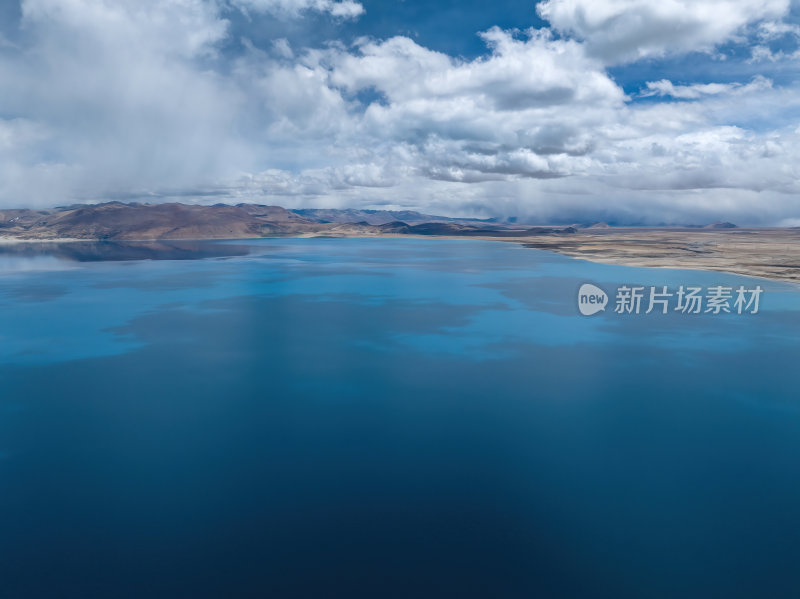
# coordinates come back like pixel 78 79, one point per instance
pixel 387 418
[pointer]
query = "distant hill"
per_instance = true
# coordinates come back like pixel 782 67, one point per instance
pixel 376 217
pixel 175 221
pixel 450 229
pixel 115 220
pixel 600 225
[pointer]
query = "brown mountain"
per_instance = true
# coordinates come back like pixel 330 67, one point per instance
pixel 115 220
pixel 119 221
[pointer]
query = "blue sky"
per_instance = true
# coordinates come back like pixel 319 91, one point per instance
pixel 630 111
pixel 449 26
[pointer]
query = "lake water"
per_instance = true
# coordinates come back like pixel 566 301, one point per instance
pixel 387 418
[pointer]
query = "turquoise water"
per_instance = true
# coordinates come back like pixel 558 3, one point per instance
pixel 387 418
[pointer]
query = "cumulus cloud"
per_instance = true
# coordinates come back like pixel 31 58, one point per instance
pixel 161 99
pixel 626 30
pixel 666 88
pixel 115 89
pixel 164 27
pixel 775 33
pixel 524 110
pixel 346 9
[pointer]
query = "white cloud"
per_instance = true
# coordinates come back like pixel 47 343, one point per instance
pixel 773 30
pixel 167 27
pixel 104 99
pixel 626 30
pixel 666 88
pixel 525 110
pixel 117 88
pixel 345 9
pixel 283 48
pixel 520 73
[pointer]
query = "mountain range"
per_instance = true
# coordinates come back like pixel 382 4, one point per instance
pixel 135 221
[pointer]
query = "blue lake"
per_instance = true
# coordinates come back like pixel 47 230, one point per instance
pixel 387 418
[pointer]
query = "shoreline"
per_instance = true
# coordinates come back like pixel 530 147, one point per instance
pixel 771 254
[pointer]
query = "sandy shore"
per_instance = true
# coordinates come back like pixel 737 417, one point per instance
pixel 768 253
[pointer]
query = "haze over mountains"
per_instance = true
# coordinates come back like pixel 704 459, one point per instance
pixel 135 221
pixel 119 221
pixel 717 246
pixel 378 217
